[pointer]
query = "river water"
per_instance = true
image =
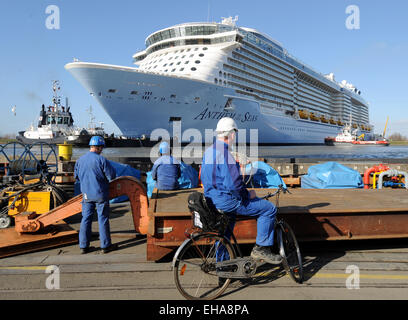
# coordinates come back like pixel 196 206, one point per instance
pixel 347 152
pixel 397 153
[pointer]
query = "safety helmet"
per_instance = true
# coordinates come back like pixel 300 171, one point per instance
pixel 164 148
pixel 226 124
pixel 97 141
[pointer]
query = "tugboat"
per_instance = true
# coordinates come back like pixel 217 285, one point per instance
pixel 349 136
pixel 56 126
pixel 55 123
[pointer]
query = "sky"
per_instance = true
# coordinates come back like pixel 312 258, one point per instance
pixel 373 57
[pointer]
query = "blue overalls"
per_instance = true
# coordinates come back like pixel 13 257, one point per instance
pixel 94 173
pixel 166 171
pixel 223 184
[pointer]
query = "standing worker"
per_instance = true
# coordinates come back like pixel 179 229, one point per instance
pixel 166 169
pixel 94 172
pixel 225 188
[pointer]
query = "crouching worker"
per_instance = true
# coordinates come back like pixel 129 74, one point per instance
pixel 224 187
pixel 166 169
pixel 94 173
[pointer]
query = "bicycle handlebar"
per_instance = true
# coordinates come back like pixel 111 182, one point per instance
pixel 280 189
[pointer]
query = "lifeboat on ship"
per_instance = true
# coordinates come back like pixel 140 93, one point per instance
pixel 313 117
pixel 323 119
pixel 303 114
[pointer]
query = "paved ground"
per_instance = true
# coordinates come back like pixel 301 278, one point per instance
pixel 125 273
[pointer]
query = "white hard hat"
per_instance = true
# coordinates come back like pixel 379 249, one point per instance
pixel 226 124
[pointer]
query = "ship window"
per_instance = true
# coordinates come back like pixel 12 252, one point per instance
pixel 195 49
pixel 201 54
pixel 205 48
pixel 196 98
pixel 189 49
pixel 173 70
pixel 193 69
pixel 186 62
pixel 178 62
pixel 164 64
pixel 197 61
pixel 133 92
pixel 182 50
pixel 191 55
pixel 173 96
pixel 183 57
pixel 215 80
pixel 171 64
pixel 66 120
pixel 166 70
pixel 181 69
pixel 220 73
pixel 60 120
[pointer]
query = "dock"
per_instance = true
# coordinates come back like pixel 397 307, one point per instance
pixel 336 229
pixel 127 274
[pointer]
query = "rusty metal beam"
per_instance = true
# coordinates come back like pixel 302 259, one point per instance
pixel 321 215
pixel 13 243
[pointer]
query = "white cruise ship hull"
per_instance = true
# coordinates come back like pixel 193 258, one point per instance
pixel 139 102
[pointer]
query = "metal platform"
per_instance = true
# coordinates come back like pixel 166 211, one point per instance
pixel 341 214
pixel 13 243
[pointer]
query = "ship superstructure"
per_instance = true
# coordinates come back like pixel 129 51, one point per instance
pixel 197 73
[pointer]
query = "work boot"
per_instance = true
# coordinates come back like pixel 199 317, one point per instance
pixel 85 250
pixel 112 247
pixel 265 254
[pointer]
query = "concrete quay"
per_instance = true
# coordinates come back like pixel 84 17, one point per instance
pixel 330 271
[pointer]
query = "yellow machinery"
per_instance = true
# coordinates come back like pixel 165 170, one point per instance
pixel 30 201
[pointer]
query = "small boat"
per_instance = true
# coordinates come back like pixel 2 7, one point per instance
pixel 383 142
pixel 56 126
pixel 55 123
pixel 323 119
pixel 303 114
pixel 313 117
pixel 350 136
pixel 332 121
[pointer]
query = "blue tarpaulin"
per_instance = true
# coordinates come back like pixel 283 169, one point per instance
pixel 121 170
pixel 331 175
pixel 187 180
pixel 263 175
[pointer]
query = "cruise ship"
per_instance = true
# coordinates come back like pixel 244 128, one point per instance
pixel 193 74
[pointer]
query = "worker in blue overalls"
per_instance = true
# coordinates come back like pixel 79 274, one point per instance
pixel 166 169
pixel 224 186
pixel 94 173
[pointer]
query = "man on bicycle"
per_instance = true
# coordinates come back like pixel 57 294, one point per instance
pixel 224 186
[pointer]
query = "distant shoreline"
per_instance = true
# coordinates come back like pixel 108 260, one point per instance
pixel 7 140
pixel 398 143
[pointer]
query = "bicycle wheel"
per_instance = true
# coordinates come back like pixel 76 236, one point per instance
pixel 195 271
pixel 290 252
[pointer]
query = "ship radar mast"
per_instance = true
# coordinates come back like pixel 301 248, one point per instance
pixel 229 21
pixel 56 99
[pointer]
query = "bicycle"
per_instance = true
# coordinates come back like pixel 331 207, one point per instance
pixel 206 262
